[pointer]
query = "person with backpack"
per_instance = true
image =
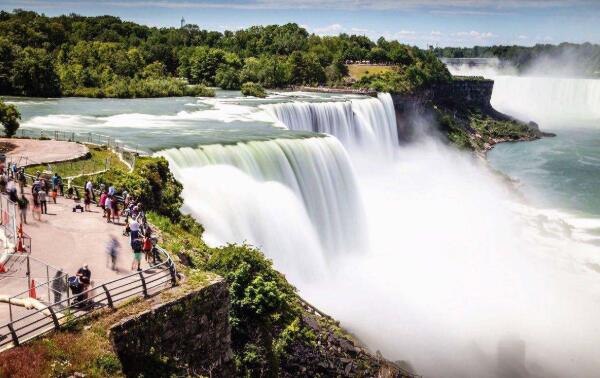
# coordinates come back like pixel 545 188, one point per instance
pixel 136 246
pixel 23 203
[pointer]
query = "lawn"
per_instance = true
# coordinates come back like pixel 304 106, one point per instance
pixel 356 71
pixel 98 159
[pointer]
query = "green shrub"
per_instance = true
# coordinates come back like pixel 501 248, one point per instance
pixel 253 89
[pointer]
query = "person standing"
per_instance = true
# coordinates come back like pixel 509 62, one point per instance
pixel 136 245
pixel 59 286
pixel 23 203
pixel 134 229
pixel 89 187
pixel 43 199
pixel 108 208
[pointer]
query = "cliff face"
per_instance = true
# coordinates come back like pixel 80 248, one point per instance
pixel 189 335
pixel 462 111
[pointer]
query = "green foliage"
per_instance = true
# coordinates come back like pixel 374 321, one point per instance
pixel 107 57
pixel 151 182
pixel 33 73
pixel 9 118
pixel 253 89
pixel 262 302
pixel 422 74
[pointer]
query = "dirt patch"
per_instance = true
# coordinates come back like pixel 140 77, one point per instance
pixel 6 147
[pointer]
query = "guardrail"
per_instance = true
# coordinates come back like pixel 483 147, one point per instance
pixel 127 154
pixel 56 315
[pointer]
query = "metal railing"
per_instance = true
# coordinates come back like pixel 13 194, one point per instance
pixel 127 153
pixel 61 313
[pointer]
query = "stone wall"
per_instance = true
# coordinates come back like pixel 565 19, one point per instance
pixel 189 335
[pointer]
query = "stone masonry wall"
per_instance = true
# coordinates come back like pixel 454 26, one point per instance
pixel 185 336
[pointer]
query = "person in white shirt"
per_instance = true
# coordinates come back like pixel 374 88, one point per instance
pixel 108 208
pixel 134 228
pixel 89 187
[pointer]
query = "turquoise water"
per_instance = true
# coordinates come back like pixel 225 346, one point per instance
pixel 561 172
pixel 152 125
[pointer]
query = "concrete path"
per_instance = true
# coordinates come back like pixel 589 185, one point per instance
pixel 67 240
pixel 43 151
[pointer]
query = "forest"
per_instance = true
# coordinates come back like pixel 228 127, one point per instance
pixel 103 56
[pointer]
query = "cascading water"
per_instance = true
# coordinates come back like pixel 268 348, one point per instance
pixel 547 99
pixel 460 287
pixel 362 125
pixel 315 171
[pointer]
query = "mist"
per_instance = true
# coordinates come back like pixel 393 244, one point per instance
pixel 456 282
pixel 458 277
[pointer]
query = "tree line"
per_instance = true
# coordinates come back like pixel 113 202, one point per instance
pixel 103 56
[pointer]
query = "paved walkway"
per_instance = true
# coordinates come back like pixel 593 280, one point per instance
pixel 43 151
pixel 67 240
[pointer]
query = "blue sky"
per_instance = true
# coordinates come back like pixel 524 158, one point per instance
pixel 422 23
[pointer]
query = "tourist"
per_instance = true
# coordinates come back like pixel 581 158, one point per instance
pixel 102 202
pixel 43 199
pixel 3 181
pixel 108 208
pixel 136 245
pixel 87 200
pixel 111 190
pixel 112 250
pixel 36 211
pixel 61 186
pixel 147 247
pixel 89 187
pixel 59 286
pixel 13 170
pixel 22 179
pixel 23 203
pixel 115 209
pixel 54 181
pixel 11 189
pixel 134 229
pixel 85 276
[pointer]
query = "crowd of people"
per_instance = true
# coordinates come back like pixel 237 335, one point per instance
pixel 115 207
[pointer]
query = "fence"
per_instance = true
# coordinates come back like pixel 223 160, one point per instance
pixel 64 311
pixel 128 155
pixel 8 221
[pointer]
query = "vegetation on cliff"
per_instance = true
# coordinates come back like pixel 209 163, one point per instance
pixel 474 129
pixel 106 57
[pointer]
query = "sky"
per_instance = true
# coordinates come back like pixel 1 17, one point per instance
pixel 421 23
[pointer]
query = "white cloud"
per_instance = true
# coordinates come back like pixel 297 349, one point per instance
pixel 522 37
pixel 473 34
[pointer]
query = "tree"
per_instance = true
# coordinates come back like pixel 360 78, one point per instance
pixel 34 74
pixel 9 118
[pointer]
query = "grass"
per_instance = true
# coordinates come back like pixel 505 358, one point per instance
pixel 357 71
pixel 99 158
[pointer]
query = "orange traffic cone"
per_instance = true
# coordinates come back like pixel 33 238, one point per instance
pixel 2 268
pixel 32 293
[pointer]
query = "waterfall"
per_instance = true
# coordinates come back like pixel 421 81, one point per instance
pixel 547 98
pixel 312 175
pixel 362 125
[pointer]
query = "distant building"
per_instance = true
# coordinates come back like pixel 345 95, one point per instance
pixel 182 22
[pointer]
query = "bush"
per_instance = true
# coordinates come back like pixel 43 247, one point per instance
pixel 253 89
pixel 9 118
